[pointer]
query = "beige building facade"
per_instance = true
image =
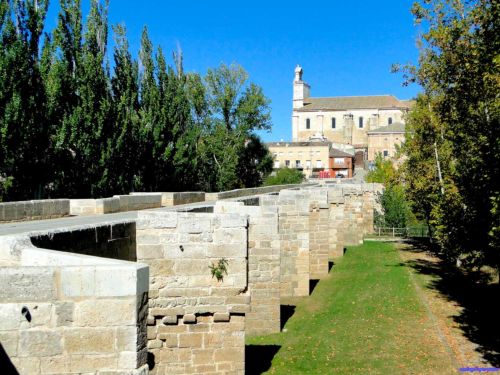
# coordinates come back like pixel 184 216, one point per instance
pixel 385 141
pixel 305 156
pixel 312 157
pixel 346 120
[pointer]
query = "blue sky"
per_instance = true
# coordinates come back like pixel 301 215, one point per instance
pixel 344 47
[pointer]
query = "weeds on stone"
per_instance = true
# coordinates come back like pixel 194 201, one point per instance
pixel 218 270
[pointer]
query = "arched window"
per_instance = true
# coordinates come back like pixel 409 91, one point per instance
pixel 360 122
pixel 389 121
pixel 308 123
pixel 334 122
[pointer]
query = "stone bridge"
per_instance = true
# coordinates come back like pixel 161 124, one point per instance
pixel 124 286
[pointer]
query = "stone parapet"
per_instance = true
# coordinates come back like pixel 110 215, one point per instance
pixel 169 199
pixel 34 209
pixel 238 193
pixel 67 313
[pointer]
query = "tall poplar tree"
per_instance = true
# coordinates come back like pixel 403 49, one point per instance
pixel 24 136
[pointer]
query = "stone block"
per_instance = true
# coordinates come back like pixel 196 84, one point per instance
pixel 169 319
pixel 116 281
pixel 105 312
pixel 127 339
pixel 64 313
pixel 233 220
pixel 230 235
pixel 89 340
pixel 54 365
pixel 149 251
pixel 221 317
pixel 78 281
pixel 148 220
pixel 190 340
pixel 189 319
pixel 10 316
pixel 91 363
pixel 194 225
pixel 27 284
pixel 39 343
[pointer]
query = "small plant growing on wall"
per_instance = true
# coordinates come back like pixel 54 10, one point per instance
pixel 219 269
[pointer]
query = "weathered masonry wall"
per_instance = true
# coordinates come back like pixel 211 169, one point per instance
pixel 65 313
pixel 263 261
pixel 34 210
pixel 117 203
pixel 195 323
pixel 177 317
pixel 318 233
pixel 336 223
pixel 294 239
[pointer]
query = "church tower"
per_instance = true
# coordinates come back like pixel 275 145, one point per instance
pixel 300 89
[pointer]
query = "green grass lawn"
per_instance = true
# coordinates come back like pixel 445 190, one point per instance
pixel 364 318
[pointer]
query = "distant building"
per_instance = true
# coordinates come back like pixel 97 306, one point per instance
pixel 345 120
pixel 385 140
pixel 313 157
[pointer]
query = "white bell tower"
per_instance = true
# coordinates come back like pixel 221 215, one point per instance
pixel 300 89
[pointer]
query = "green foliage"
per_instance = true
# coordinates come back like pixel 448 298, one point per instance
pixel 395 210
pixel 285 176
pixel 219 269
pixel 454 128
pixel 383 172
pixel 70 126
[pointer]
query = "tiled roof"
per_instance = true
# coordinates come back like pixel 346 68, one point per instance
pixel 353 102
pixel 396 127
pixel 335 153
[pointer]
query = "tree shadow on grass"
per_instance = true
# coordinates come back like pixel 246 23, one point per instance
pixel 479 319
pixel 286 312
pixel 258 358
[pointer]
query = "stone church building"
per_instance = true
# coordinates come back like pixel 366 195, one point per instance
pixel 350 120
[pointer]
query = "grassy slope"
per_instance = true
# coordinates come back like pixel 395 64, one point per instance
pixel 365 318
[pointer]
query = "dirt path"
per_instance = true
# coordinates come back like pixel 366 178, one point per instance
pixel 444 312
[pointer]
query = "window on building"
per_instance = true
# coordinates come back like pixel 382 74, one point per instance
pixel 287 163
pixel 386 153
pixel 276 164
pixel 308 123
pixel 360 122
pixel 389 121
pixel 297 163
pixel 308 164
pixel 338 160
pixel 334 122
pixel 319 164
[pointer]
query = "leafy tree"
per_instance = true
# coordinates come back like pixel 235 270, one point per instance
pixel 383 172
pixel 285 176
pixel 459 66
pixel 395 209
pixel 236 109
